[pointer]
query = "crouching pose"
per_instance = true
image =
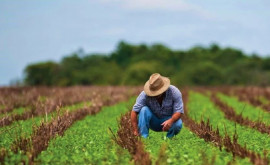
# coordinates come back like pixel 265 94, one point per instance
pixel 159 107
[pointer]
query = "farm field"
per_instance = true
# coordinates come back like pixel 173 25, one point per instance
pixel 91 125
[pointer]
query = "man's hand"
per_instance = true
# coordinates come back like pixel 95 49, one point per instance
pixel 136 133
pixel 167 125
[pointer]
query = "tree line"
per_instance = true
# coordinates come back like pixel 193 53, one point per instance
pixel 132 64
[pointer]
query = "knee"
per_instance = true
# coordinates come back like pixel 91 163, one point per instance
pixel 145 110
pixel 178 125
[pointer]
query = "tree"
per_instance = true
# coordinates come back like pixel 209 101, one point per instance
pixel 123 54
pixel 45 73
pixel 133 64
pixel 140 72
pixel 206 73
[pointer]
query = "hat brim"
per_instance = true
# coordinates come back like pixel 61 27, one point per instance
pixel 166 85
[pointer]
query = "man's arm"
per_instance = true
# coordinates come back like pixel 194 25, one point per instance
pixel 168 123
pixel 134 122
pixel 176 116
pixel 140 102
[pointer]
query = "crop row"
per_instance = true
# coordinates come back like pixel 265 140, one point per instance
pixel 187 148
pixel 101 96
pixel 61 97
pixel 247 110
pixel 23 128
pixel 37 97
pixel 256 96
pixel 32 146
pixel 208 136
pixel 205 130
pixel 126 139
pixel 89 141
pixel 231 114
pixel 38 102
pixel 201 107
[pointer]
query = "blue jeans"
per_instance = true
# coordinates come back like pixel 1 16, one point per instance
pixel 148 120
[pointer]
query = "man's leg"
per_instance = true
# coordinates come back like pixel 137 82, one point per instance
pixel 175 129
pixel 155 123
pixel 145 116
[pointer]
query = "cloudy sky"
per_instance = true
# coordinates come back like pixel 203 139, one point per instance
pixel 33 31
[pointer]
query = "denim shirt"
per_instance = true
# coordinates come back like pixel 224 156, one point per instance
pixel 172 102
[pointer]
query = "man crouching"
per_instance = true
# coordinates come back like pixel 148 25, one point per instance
pixel 159 107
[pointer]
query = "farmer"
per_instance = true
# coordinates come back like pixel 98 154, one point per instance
pixel 159 107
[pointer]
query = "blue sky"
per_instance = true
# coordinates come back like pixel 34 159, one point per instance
pixel 33 31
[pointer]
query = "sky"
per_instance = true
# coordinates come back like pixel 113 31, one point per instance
pixel 33 31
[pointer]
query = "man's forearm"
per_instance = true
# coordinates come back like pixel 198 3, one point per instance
pixel 134 120
pixel 176 116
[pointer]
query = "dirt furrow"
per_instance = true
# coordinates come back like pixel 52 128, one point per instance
pixel 205 131
pixel 42 134
pixel 253 95
pixel 238 118
pixel 34 145
pixel 61 97
pixel 127 140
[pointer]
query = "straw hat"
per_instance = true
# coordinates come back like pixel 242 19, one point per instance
pixel 156 85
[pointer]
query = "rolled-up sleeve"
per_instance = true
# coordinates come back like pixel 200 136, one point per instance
pixel 140 102
pixel 178 105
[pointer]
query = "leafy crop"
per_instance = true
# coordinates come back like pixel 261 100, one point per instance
pixel 256 96
pixel 83 135
pixel 15 111
pixel 249 111
pixel 89 141
pixel 232 115
pixel 201 107
pixel 188 148
pixel 41 135
pixel 23 128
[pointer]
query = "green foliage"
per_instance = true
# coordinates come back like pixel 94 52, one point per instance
pixel 89 141
pixel 188 148
pixel 23 128
pixel 200 106
pixel 247 110
pixel 132 64
pixel 123 54
pixel 15 111
pixel 137 73
pixel 206 73
pixel 42 73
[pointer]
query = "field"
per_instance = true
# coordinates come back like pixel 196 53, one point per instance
pixel 91 125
